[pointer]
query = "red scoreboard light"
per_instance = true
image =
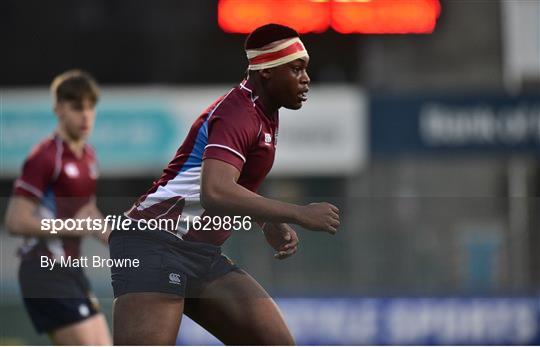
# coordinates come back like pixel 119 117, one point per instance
pixel 385 16
pixel 344 16
pixel 242 16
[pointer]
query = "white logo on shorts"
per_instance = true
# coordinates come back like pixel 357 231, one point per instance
pixel 174 278
pixel 267 138
pixel 84 310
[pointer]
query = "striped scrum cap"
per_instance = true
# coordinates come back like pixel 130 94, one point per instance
pixel 276 53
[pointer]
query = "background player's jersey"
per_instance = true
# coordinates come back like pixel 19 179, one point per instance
pixel 234 129
pixel 61 183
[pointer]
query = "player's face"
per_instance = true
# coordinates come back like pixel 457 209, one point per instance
pixel 76 118
pixel 290 83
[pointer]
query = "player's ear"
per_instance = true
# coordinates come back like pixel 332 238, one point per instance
pixel 265 74
pixel 57 109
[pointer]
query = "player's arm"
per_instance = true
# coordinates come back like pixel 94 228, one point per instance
pixel 220 193
pixel 22 219
pixel 99 229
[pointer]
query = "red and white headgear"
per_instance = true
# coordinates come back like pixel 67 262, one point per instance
pixel 276 53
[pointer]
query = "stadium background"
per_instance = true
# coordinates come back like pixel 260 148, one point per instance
pixel 429 144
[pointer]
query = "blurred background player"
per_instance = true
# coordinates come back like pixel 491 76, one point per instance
pixel 58 180
pixel 217 171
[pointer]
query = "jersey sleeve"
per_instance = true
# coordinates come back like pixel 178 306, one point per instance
pixel 230 138
pixel 37 175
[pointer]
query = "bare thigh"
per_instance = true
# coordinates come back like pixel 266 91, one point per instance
pixel 238 311
pixel 91 331
pixel 147 318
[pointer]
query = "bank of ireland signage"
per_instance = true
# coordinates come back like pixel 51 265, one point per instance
pixel 453 125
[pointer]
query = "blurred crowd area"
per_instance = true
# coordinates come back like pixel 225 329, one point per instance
pixel 429 144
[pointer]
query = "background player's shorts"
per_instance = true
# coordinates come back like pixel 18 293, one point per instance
pixel 167 264
pixel 55 298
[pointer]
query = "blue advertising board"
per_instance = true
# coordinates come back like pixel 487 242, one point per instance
pixel 129 137
pixel 496 124
pixel 401 321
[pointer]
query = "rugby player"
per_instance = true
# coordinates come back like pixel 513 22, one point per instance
pixel 216 172
pixel 58 180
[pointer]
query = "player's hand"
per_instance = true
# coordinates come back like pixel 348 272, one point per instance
pixel 282 238
pixel 87 210
pixel 320 216
pixel 90 210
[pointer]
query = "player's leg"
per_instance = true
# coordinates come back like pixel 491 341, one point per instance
pixel 91 331
pixel 238 311
pixel 59 303
pixel 150 297
pixel 147 318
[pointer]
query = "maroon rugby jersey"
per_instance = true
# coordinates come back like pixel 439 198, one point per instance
pixel 61 183
pixel 234 129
